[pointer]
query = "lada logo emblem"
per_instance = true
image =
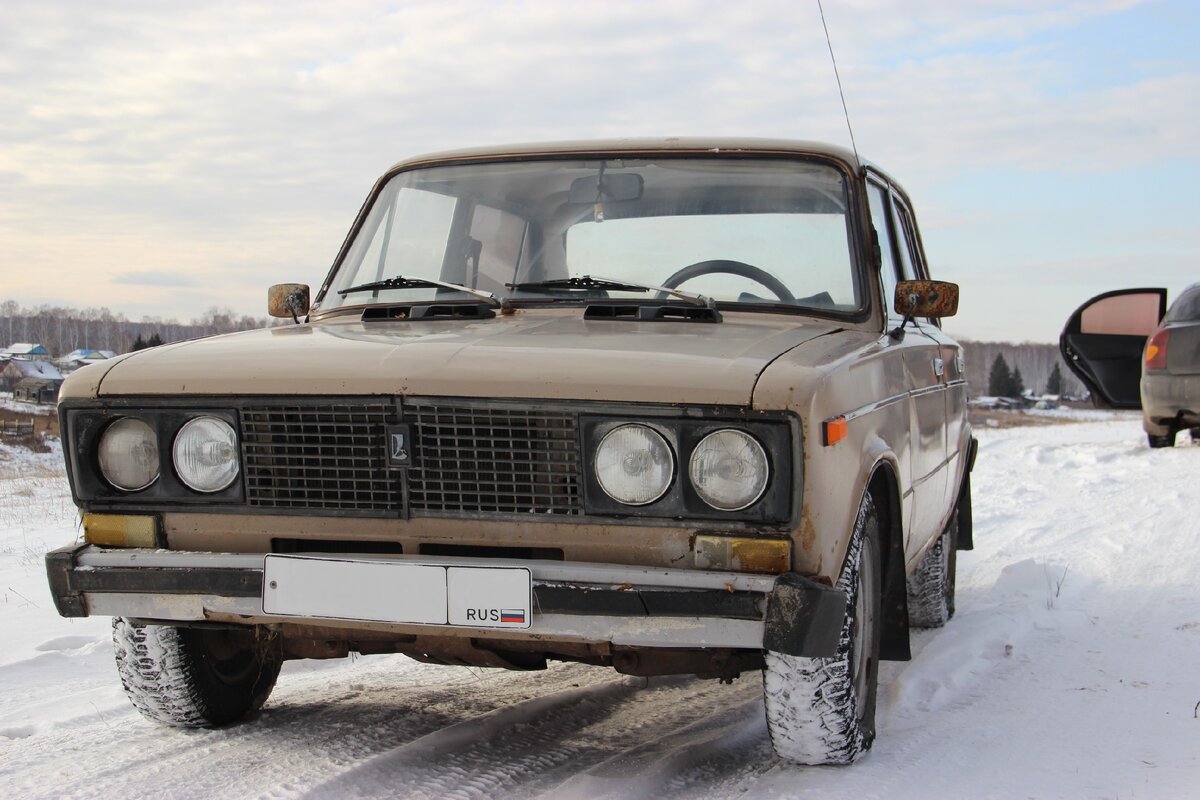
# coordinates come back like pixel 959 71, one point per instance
pixel 399 446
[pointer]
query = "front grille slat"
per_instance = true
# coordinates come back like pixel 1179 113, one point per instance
pixel 468 459
pixel 500 460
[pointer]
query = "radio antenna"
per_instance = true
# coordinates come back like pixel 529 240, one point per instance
pixel 842 94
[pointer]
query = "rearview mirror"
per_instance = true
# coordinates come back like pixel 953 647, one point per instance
pixel 926 299
pixel 606 188
pixel 287 300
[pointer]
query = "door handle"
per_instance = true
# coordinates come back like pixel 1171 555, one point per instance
pixel 939 367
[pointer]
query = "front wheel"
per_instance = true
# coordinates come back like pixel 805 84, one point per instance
pixel 822 710
pixel 195 677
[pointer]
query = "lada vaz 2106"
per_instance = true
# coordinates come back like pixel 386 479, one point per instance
pixel 670 407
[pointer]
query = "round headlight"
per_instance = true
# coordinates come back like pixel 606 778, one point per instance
pixel 634 465
pixel 128 454
pixel 206 454
pixel 729 470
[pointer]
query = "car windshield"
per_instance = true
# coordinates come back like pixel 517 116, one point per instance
pixel 749 231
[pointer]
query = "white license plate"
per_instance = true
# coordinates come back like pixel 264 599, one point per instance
pixel 396 591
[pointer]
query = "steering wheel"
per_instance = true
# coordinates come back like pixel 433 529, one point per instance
pixel 729 267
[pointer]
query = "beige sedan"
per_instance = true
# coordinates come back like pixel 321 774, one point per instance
pixel 674 406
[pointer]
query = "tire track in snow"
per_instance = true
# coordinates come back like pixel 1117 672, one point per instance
pixel 306 733
pixel 532 748
pixel 720 747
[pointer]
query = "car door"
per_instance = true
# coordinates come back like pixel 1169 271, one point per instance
pixel 1103 341
pixel 933 361
pixel 921 355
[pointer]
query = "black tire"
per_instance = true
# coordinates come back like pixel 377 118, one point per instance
pixel 1156 441
pixel 195 677
pixel 931 587
pixel 822 710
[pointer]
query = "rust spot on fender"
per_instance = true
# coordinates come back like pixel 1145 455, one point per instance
pixel 808 533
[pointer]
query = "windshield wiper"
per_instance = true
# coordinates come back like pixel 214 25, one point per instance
pixel 402 282
pixel 587 282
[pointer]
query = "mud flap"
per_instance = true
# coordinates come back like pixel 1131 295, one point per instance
pixel 804 618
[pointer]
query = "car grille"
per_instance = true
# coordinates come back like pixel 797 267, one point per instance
pixel 468 459
pixel 319 457
pixel 501 460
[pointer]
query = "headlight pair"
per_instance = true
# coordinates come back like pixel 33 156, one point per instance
pixel 205 454
pixel 728 468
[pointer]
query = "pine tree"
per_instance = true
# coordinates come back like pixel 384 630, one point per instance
pixel 1016 386
pixel 999 379
pixel 154 341
pixel 139 343
pixel 1054 382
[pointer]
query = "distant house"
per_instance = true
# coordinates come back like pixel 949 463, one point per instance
pixel 15 370
pixel 82 357
pixel 43 391
pixel 27 352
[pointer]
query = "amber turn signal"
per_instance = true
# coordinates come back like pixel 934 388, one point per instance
pixel 833 430
pixel 743 554
pixel 120 530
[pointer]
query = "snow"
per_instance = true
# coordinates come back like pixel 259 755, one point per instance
pixel 1069 670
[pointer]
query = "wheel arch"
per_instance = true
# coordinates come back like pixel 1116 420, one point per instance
pixel 884 487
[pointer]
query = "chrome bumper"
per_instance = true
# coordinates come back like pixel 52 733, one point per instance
pixel 622 605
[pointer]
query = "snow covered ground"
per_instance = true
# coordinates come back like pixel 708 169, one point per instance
pixel 1072 670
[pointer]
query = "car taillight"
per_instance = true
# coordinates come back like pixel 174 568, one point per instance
pixel 1156 350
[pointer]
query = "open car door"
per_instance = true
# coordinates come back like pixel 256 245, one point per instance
pixel 1104 339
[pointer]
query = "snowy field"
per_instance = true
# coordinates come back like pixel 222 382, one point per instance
pixel 1071 670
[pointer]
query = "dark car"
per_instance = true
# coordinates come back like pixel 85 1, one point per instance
pixel 1132 354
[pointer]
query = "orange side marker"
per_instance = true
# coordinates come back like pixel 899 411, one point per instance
pixel 833 431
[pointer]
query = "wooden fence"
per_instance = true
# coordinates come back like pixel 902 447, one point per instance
pixel 18 430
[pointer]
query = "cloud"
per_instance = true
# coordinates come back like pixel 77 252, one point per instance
pixel 164 279
pixel 235 141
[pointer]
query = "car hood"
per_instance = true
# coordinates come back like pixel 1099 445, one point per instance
pixel 553 354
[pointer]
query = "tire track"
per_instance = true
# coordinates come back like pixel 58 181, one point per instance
pixel 533 747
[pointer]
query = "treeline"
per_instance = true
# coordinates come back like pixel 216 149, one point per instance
pixel 1034 362
pixel 61 330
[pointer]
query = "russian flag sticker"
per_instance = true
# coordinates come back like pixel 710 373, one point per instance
pixel 513 615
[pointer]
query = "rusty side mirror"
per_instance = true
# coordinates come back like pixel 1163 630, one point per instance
pixel 288 300
pixel 926 299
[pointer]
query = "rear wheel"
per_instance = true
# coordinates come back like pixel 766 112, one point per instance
pixel 822 710
pixel 195 677
pixel 931 587
pixel 1166 440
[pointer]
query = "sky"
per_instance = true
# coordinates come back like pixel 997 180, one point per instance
pixel 160 158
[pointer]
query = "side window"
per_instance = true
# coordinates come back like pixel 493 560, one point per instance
pixel 910 251
pixel 878 201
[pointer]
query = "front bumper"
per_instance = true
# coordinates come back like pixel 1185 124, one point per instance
pixel 618 604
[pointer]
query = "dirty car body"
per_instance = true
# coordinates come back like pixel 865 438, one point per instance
pixel 624 403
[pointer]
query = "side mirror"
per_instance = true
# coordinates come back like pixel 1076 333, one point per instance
pixel 926 299
pixel 288 300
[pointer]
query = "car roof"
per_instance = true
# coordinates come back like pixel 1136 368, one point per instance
pixel 691 145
